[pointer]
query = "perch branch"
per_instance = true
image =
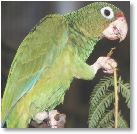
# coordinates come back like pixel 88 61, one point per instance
pixel 115 88
pixel 116 95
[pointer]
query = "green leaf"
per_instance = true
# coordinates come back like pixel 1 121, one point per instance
pixel 100 101
pixel 96 112
pixel 124 89
pixel 106 118
pixel 100 89
pixel 110 124
pixel 121 122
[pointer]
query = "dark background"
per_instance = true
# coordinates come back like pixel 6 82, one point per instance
pixel 18 18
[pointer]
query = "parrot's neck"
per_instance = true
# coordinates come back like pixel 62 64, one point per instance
pixel 82 45
pixel 79 38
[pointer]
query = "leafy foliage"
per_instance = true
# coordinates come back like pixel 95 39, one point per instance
pixel 106 118
pixel 121 122
pixel 101 99
pixel 124 89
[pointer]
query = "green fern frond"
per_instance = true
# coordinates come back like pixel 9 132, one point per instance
pixel 97 111
pixel 106 118
pixel 125 91
pixel 110 124
pixel 101 99
pixel 100 89
pixel 121 122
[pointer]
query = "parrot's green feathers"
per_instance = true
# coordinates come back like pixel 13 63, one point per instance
pixel 50 56
pixel 38 51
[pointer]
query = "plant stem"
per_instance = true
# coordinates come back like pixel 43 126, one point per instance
pixel 116 97
pixel 115 89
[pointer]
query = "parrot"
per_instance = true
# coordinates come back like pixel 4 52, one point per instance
pixel 53 54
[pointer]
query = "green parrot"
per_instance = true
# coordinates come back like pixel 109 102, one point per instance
pixel 52 55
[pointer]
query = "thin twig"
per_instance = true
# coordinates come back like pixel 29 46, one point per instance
pixel 115 88
pixel 116 97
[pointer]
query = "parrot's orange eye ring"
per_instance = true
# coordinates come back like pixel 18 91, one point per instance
pixel 107 12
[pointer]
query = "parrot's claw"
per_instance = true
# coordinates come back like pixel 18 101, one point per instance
pixel 52 118
pixel 104 63
pixel 109 69
pixel 56 120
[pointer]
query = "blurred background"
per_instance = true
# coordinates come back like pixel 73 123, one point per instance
pixel 18 18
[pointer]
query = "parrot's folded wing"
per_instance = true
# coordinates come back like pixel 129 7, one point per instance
pixel 38 51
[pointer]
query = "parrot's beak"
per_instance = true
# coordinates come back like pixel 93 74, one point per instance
pixel 117 29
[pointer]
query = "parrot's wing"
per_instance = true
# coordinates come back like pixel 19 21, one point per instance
pixel 38 51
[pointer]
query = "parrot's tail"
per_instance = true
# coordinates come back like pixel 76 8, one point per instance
pixel 4 120
pixel 6 116
pixel 2 123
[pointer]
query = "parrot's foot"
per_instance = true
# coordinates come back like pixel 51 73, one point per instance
pixel 53 118
pixel 103 62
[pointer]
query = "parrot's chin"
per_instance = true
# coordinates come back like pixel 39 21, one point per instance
pixel 116 30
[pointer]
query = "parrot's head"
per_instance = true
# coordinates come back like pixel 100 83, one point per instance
pixel 112 22
pixel 101 19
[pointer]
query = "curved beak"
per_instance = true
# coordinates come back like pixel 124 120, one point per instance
pixel 117 29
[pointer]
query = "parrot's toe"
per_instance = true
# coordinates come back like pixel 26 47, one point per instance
pixel 52 119
pixel 106 64
pixel 40 117
pixel 56 120
pixel 61 120
pixel 107 68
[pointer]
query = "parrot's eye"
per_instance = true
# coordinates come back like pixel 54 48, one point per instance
pixel 107 12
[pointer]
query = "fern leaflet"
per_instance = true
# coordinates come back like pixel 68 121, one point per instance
pixel 100 89
pixel 106 118
pixel 101 98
